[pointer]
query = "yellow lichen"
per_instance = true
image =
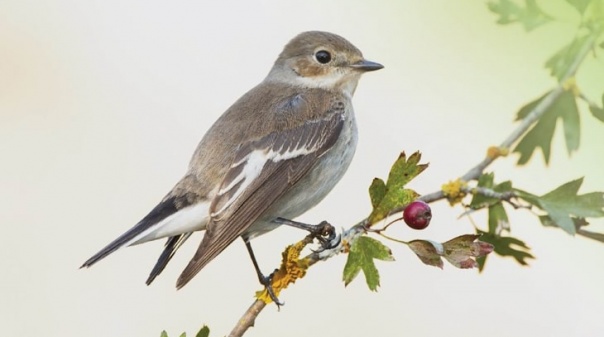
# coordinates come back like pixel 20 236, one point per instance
pixel 453 191
pixel 292 268
pixel 571 85
pixel 494 152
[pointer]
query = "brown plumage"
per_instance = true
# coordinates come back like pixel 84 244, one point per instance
pixel 276 152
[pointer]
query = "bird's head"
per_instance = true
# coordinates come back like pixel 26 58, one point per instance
pixel 321 60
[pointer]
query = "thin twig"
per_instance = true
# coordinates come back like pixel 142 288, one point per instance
pixel 351 234
pixel 490 193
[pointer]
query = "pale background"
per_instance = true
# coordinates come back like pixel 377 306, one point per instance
pixel 102 103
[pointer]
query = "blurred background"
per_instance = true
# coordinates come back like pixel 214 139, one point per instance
pixel 103 102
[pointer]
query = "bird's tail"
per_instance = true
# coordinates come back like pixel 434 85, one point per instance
pixel 163 210
pixel 170 249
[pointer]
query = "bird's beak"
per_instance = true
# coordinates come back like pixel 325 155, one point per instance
pixel 365 65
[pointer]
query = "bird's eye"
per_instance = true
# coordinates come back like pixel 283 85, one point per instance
pixel 323 56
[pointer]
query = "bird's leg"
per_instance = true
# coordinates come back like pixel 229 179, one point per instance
pixel 266 281
pixel 324 232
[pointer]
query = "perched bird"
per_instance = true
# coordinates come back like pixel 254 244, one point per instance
pixel 275 153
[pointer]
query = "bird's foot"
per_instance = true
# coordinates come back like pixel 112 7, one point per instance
pixel 267 282
pixel 324 232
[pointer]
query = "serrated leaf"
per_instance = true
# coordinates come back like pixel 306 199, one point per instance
pixel 203 332
pixel 396 195
pixel 530 16
pixel 541 134
pixel 362 253
pixel 163 334
pixel 404 170
pixel 563 202
pixel 598 112
pixel 377 191
pixel 561 61
pixel 506 246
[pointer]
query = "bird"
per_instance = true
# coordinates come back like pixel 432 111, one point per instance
pixel 273 155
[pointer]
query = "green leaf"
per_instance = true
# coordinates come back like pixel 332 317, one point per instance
pixel 404 170
pixel 184 334
pixel 580 5
pixel 528 108
pixel 486 181
pixel 561 61
pixel 203 332
pixel 505 246
pixel 570 121
pixel 479 200
pixel 377 191
pixel 596 111
pixel 498 219
pixel 541 134
pixel 394 194
pixel 530 15
pixel 362 253
pixel 163 334
pixel 563 203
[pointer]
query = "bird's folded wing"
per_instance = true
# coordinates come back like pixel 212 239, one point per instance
pixel 263 170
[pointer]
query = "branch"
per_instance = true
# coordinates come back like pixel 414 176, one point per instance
pixel 248 319
pixel 351 234
pixel 537 111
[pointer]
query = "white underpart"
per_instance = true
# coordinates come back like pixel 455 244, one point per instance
pixel 254 164
pixel 328 82
pixel 188 219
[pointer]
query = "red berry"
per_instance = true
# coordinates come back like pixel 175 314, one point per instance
pixel 417 214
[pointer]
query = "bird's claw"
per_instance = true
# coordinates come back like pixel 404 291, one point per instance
pixel 325 233
pixel 267 282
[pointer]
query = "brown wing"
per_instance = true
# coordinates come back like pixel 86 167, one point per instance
pixel 261 173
